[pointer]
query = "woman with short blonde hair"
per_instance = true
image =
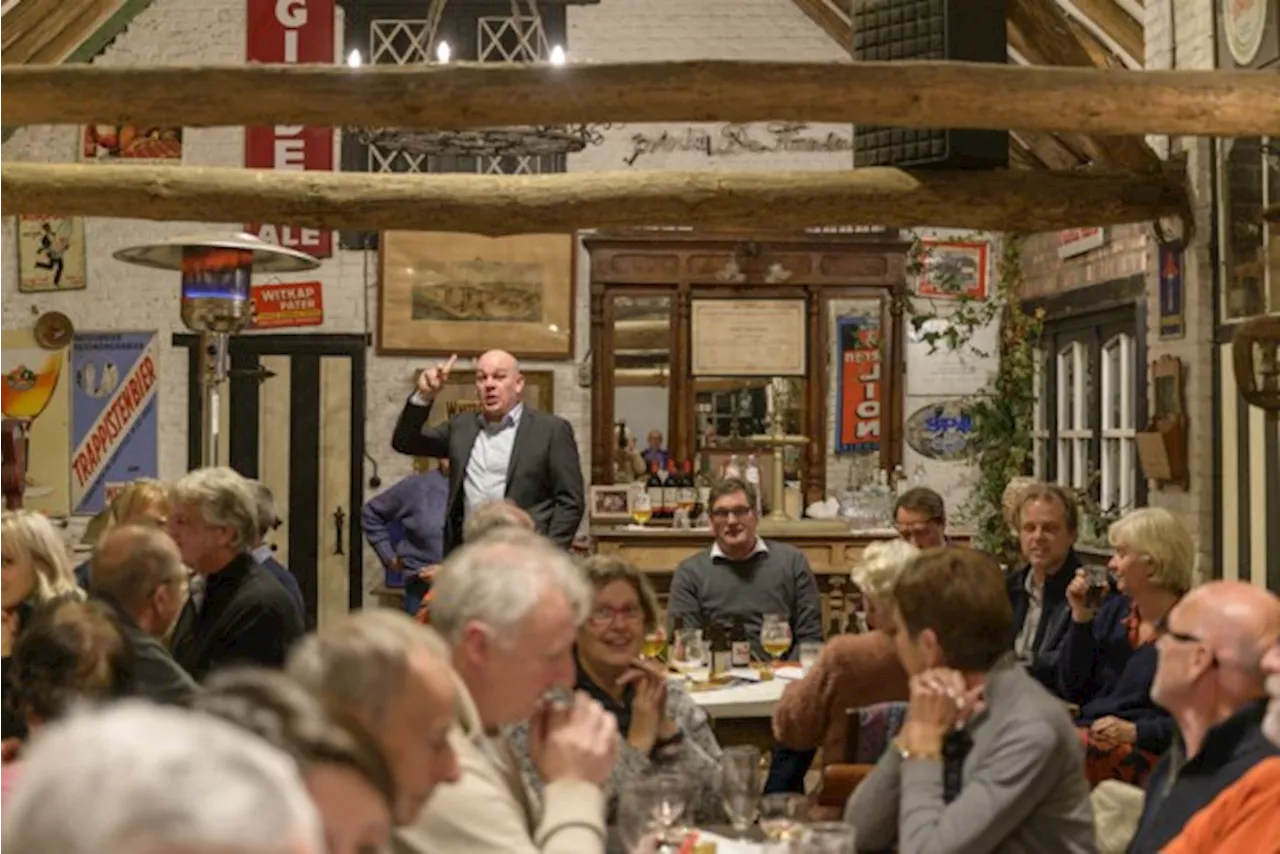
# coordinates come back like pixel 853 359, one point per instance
pixel 1108 658
pixel 36 570
pixel 854 670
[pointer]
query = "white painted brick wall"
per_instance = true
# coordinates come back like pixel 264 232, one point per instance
pixel 187 32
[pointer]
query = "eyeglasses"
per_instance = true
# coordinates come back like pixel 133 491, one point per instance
pixel 917 530
pixel 604 615
pixel 722 513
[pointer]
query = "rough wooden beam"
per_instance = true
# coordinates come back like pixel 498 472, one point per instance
pixel 1022 157
pixel 1049 150
pixel 1099 55
pixel 1108 17
pixel 831 22
pixel 905 94
pixel 1046 27
pixel 993 201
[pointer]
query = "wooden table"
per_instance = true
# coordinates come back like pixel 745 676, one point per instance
pixel 743 714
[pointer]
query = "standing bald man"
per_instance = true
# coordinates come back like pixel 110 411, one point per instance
pixel 506 451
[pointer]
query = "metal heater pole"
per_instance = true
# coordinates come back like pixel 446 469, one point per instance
pixel 214 363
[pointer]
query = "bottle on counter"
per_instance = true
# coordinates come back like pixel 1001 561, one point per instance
pixel 739 646
pixel 670 491
pixel 721 654
pixel 653 486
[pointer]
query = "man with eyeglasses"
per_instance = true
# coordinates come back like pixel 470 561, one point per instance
pixel 742 577
pixel 1219 785
pixel 920 516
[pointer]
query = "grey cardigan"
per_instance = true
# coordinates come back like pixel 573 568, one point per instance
pixel 1023 789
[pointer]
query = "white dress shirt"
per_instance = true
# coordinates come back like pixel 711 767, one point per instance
pixel 486 476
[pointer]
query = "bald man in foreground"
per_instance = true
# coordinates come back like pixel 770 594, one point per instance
pixel 505 451
pixel 1218 787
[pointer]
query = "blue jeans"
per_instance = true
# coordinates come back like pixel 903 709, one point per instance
pixel 414 589
pixel 787 770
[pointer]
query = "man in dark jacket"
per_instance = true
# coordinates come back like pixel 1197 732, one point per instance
pixel 507 450
pixel 264 553
pixel 237 612
pixel 138 571
pixel 1047 525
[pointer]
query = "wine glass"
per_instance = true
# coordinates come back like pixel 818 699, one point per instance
pixel 669 799
pixel 826 837
pixel 781 814
pixel 638 827
pixel 740 784
pixel 655 643
pixel 775 635
pixel 641 508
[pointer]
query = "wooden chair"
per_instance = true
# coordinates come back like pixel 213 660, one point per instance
pixel 869 730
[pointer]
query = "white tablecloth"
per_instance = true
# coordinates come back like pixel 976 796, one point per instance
pixel 750 700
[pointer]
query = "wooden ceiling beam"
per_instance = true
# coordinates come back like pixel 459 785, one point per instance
pixel 828 18
pixel 1099 55
pixel 1046 27
pixel 902 94
pixel 1115 24
pixel 973 199
pixel 1049 150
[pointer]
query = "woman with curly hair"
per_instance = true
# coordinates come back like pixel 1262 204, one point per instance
pixel 343 767
pixel 35 569
pixel 70 652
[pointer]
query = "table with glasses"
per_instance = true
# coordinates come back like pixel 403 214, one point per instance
pixel 654 813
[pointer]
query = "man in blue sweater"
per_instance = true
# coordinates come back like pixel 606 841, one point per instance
pixel 742 576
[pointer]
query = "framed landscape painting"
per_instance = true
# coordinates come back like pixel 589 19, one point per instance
pixel 441 293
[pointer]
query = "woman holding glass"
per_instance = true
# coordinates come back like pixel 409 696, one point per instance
pixel 662 730
pixel 1108 658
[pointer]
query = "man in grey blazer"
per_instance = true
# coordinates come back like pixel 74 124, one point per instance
pixel 506 451
pixel 987 759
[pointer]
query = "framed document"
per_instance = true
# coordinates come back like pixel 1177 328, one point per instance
pixel 747 338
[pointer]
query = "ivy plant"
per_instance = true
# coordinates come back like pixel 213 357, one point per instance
pixel 1002 413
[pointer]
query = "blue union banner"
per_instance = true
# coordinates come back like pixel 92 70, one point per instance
pixel 114 418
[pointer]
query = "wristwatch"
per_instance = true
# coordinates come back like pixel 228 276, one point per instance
pixel 907 753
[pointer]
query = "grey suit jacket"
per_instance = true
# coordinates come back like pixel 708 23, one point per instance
pixel 1023 789
pixel 544 475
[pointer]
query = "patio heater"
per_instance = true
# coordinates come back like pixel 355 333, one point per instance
pixel 216 271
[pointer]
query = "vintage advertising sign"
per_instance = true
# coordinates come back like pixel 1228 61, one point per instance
pixel 1172 309
pixel 50 253
pixel 38 407
pixel 940 430
pixel 860 400
pixel 954 269
pixel 1077 241
pixel 291 32
pixel 114 415
pixel 278 306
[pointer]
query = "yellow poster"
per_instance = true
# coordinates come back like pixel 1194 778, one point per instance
pixel 36 393
pixel 50 254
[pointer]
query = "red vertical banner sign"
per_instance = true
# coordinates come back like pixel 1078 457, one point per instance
pixel 291 32
pixel 861 397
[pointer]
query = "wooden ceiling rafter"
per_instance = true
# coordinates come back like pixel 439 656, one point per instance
pixel 831 19
pixel 521 204
pixel 1112 26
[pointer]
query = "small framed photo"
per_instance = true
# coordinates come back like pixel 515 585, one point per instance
pixel 611 503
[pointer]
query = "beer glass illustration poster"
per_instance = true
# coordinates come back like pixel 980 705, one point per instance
pixel 50 254
pixel 36 404
pixel 115 422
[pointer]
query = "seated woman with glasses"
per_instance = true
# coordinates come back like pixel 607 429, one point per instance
pixel 661 728
pixel 1108 658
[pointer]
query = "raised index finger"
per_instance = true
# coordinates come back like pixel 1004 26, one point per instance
pixel 448 366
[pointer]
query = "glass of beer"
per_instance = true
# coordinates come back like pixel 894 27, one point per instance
pixel 775 635
pixel 641 508
pixel 655 643
pixel 1099 586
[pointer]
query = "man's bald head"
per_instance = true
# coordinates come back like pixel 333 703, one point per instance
pixel 1238 621
pixel 492 516
pixel 132 561
pixel 499 384
pixel 1211 651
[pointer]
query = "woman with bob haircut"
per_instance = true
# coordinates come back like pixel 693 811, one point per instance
pixel 1108 658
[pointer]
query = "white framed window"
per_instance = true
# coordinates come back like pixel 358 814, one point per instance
pixel 1073 434
pixel 1117 473
pixel 1040 433
pixel 1090 405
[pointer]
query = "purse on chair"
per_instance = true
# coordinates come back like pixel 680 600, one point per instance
pixel 869 731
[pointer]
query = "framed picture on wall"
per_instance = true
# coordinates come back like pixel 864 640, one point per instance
pixel 443 293
pixel 51 254
pixel 954 269
pixel 459 394
pixel 610 503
